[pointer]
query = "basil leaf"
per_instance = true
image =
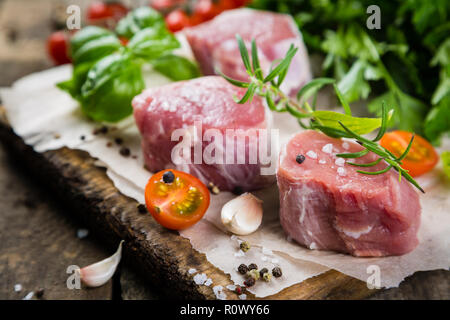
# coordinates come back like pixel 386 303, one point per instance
pixel 110 87
pixel 360 126
pixel 86 35
pixel 150 43
pixel 96 48
pixel 79 75
pixel 176 68
pixel 141 18
pixel 105 69
pixel 445 157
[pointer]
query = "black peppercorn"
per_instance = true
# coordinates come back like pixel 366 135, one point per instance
pixel 141 208
pixel 249 282
pixel 238 191
pixel 40 293
pixel 124 151
pixel 300 158
pixel 242 269
pixel 262 271
pixel 118 140
pixel 277 272
pixel 252 266
pixel 168 177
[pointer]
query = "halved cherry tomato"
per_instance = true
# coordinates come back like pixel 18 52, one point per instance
pixel 176 203
pixel 177 20
pixel 57 45
pixel 421 157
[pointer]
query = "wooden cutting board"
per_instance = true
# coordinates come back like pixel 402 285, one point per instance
pixel 165 259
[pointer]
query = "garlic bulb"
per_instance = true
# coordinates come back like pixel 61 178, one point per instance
pixel 97 274
pixel 242 215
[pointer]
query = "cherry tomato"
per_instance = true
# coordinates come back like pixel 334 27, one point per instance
pixel 226 5
pixel 176 199
pixel 421 157
pixel 177 20
pixel 57 46
pixel 240 3
pixel 206 9
pixel 100 10
pixel 165 5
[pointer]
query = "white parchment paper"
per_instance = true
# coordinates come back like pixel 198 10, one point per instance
pixel 48 119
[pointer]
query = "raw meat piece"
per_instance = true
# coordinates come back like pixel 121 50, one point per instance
pixel 160 111
pixel 327 205
pixel 214 44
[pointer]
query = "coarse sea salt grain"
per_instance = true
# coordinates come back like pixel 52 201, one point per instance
pixel 208 282
pixel 243 296
pixel 231 287
pixel 240 253
pixel 328 148
pixel 17 287
pixel 341 171
pixel 218 291
pixel 28 296
pixel 322 161
pixel 340 162
pixel 82 233
pixel 275 261
pixel 311 154
pixel 200 278
pixel 264 258
pixel 345 145
pixel 192 270
pixel 267 251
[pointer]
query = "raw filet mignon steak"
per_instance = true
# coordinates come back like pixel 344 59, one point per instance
pixel 208 100
pixel 327 205
pixel 214 44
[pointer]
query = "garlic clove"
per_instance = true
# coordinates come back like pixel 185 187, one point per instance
pixel 242 215
pixel 97 274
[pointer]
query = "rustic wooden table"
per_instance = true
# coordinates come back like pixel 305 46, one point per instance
pixel 38 240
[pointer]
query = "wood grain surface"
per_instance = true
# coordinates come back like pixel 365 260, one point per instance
pixel 38 237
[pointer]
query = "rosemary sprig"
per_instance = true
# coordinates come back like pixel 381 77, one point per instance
pixel 331 123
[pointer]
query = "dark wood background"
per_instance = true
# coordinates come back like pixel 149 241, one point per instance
pixel 38 240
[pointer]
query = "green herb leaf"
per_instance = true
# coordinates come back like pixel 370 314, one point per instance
pixel 176 68
pixel 445 157
pixel 150 44
pixel 244 53
pixel 331 119
pixel 139 19
pixel 248 94
pixel 110 86
pixel 354 86
pixel 86 35
pixel 96 49
pixel 313 87
pixel 343 102
pixel 283 65
pixel 437 121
